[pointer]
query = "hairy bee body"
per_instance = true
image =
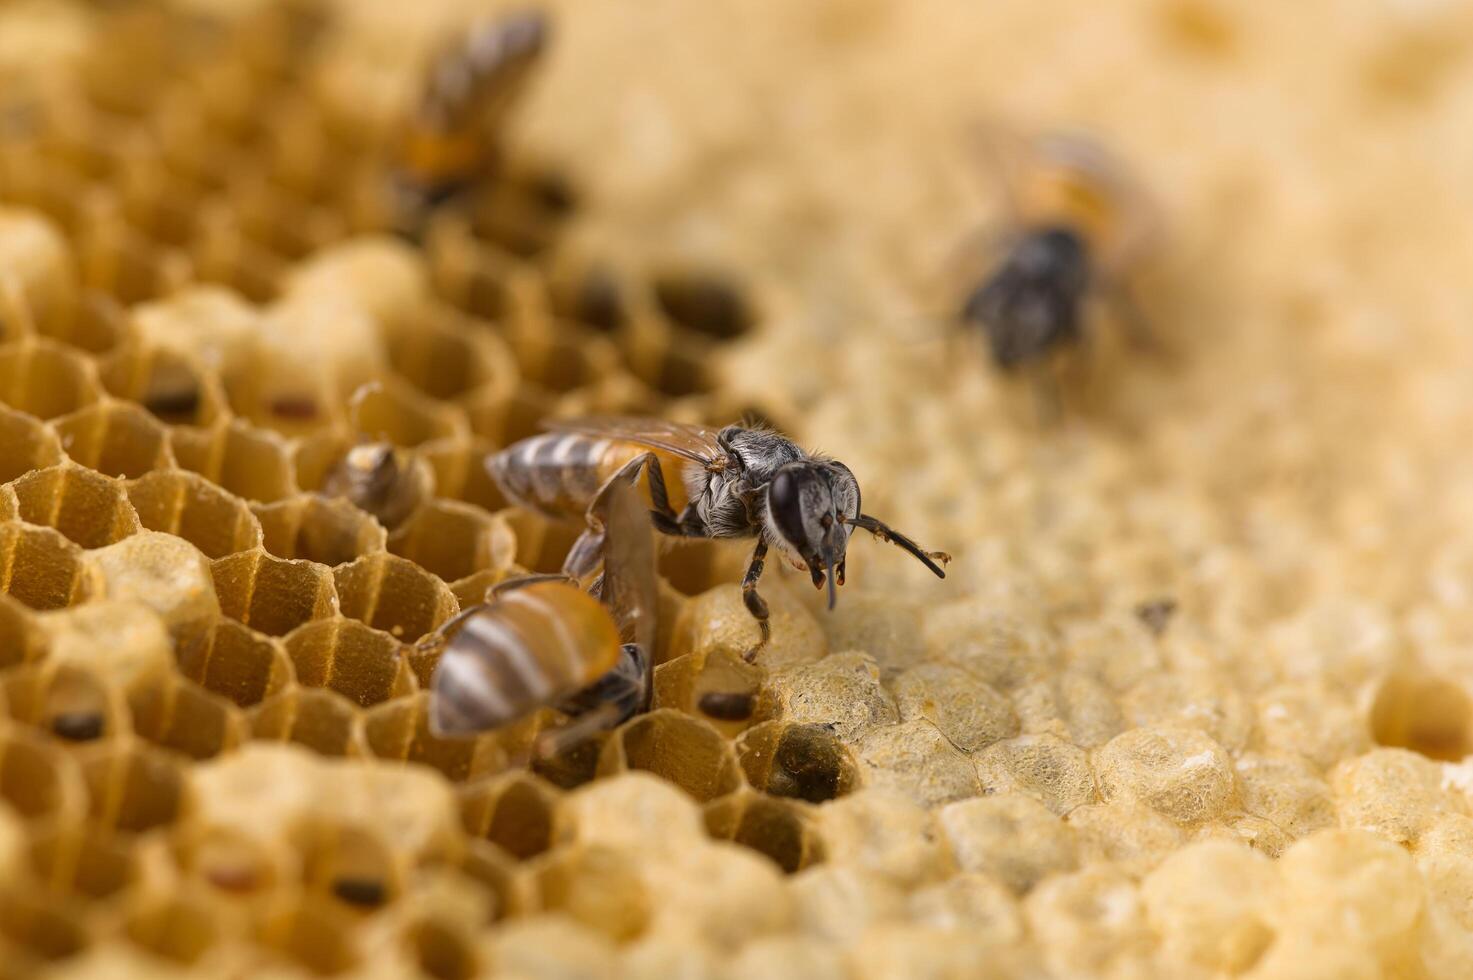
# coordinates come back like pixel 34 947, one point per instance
pixel 531 647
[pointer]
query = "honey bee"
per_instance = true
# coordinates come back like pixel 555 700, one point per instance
pixel 543 641
pixel 735 482
pixel 382 480
pixel 1077 224
pixel 450 140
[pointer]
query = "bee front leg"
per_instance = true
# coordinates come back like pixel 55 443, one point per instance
pixel 612 699
pixel 754 602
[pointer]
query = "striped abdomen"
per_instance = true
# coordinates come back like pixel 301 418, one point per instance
pixel 559 473
pixel 531 647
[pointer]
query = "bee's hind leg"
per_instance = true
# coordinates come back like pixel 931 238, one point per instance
pixel 612 699
pixel 755 604
pixel 588 550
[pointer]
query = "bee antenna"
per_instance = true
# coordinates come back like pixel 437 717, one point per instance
pixel 886 533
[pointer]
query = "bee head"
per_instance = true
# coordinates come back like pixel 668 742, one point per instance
pixel 809 506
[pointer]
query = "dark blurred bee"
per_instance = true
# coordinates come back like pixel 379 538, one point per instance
pixel 382 480
pixel 1076 225
pixel 736 482
pixel 543 641
pixel 451 140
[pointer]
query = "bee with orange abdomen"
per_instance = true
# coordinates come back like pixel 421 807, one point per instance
pixel 1077 224
pixel 734 482
pixel 451 140
pixel 543 641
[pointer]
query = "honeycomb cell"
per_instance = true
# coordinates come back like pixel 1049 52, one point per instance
pixel 1090 922
pixel 1312 722
pixel 41 568
pixel 346 863
pixel 119 259
pixel 187 505
pixel 399 729
pixel 237 663
pixel 542 544
pixel 1392 792
pixel 392 594
pixel 972 902
pixel 455 541
pixel 46 927
pixel 391 411
pixel 841 691
pixel 20 639
pixel 1212 904
pixel 1427 714
pixel 314 528
pixel 598 887
pixel 720 892
pixel 383 276
pixel 459 468
pixel 25 444
pixel 71 704
pixel 632 810
pixel 1012 838
pixel 116 439
pixel 698 566
pixel 84 505
pixel 132 786
pixel 80 861
pixel 442 953
pixel 37 777
pixel 503 418
pixel 1129 835
pixel 204 324
pixel 552 946
pixel 362 664
pixel 225 257
pixel 841 904
pixel 885 832
pixel 447 355
pixel 45 379
pixel 313 934
pixel 916 759
pixel 99 327
pixel 165 574
pixel 180 930
pixel 1286 790
pixel 777 828
pixel 251 463
pixel 42 278
pixel 1179 772
pixel 1044 767
pixel 179 715
pixel 972 714
pixel 1191 701
pixel 318 718
pixel 171 386
pixel 803 762
pixel 721 688
pixel 1003 649
pixel 272 595
pixel 676 747
pixel 514 811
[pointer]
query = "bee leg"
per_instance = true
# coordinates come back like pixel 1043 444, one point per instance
pixel 615 697
pixel 754 602
pixel 587 551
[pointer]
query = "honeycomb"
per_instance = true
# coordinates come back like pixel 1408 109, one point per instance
pixel 1193 701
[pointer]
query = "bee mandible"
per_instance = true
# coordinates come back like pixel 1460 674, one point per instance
pixel 1078 224
pixel 451 139
pixel 734 482
pixel 543 641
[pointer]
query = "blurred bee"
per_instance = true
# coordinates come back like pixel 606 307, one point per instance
pixel 736 482
pixel 1076 225
pixel 376 476
pixel 450 141
pixel 542 641
pixel 382 480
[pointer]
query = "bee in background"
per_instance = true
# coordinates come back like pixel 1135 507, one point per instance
pixel 543 641
pixel 736 482
pixel 382 480
pixel 1077 225
pixel 451 140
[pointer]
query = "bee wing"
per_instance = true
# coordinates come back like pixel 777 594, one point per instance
pixel 629 587
pixel 694 442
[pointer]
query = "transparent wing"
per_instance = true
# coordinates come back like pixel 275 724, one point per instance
pixel 629 585
pixel 694 442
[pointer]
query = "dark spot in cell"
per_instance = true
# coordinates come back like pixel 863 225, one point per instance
pixel 78 726
pixel 363 892
pixel 1156 614
pixel 808 765
pixel 598 302
pixel 726 705
pixel 176 406
pixel 573 766
pixel 554 194
pixel 236 879
pixel 705 305
pixel 298 407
